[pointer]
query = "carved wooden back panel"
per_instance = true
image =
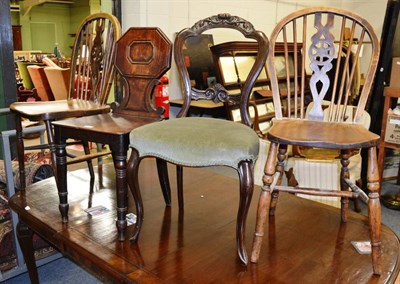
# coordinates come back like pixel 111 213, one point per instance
pixel 335 42
pixel 143 55
pixel 218 93
pixel 92 68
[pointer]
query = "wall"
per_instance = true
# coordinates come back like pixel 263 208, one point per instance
pixel 56 18
pixel 172 16
pixel 14 18
pixel 63 19
pixel 81 9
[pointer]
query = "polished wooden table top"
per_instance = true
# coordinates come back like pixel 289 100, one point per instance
pixel 304 243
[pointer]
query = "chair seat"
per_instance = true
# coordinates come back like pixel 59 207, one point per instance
pixel 57 109
pixel 197 142
pixel 320 134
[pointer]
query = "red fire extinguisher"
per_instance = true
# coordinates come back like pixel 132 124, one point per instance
pixel 161 96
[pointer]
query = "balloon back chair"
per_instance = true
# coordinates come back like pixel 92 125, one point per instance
pixel 92 73
pixel 321 33
pixel 202 141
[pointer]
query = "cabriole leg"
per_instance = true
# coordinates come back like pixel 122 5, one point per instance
pixel 133 181
pixel 246 178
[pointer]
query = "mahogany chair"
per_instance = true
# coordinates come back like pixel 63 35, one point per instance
pixel 201 141
pixel 320 31
pixel 92 57
pixel 143 55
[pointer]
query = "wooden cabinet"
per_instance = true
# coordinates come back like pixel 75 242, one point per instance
pixel 17 37
pixel 392 96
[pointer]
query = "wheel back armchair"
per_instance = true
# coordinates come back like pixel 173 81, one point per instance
pixel 201 141
pixel 91 62
pixel 321 31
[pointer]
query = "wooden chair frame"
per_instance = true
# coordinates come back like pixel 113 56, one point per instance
pixel 293 128
pixel 217 94
pixel 92 57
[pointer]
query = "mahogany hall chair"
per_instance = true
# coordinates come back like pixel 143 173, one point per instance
pixel 320 32
pixel 202 141
pixel 143 55
pixel 92 61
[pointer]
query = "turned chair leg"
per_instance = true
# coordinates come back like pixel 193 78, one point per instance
pixel 61 178
pixel 344 173
pixel 246 178
pixel 280 167
pixel 89 162
pixel 374 210
pixel 52 146
pixel 264 202
pixel 99 147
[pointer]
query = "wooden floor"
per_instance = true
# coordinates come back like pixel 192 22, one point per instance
pixel 305 242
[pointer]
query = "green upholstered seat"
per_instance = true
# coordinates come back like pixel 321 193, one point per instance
pixel 197 142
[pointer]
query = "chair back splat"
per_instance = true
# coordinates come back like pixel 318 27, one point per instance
pixel 337 46
pixel 141 59
pixel 331 47
pixel 218 93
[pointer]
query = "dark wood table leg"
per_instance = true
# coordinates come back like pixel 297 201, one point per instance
pixel 24 235
pixel 61 176
pixel 119 156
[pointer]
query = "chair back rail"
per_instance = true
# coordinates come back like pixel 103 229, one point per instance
pixel 218 93
pixel 323 36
